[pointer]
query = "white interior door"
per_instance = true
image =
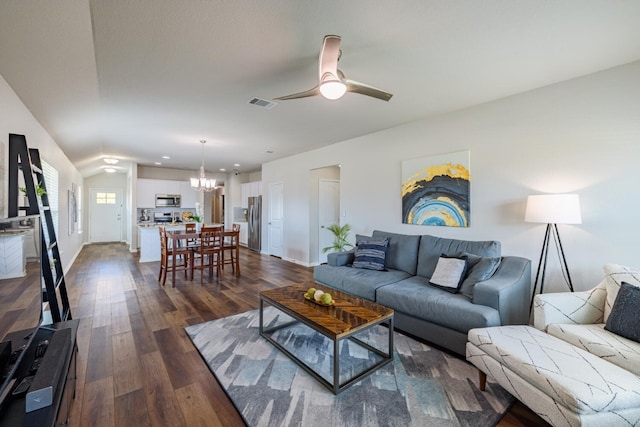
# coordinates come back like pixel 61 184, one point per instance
pixel 328 213
pixel 276 209
pixel 105 215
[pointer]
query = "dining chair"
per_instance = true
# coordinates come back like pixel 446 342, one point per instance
pixel 172 257
pixel 207 255
pixel 230 245
pixel 190 228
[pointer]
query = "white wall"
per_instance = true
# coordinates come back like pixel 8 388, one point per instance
pixel 579 136
pixel 16 118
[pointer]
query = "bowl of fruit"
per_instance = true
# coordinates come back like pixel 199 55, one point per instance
pixel 319 297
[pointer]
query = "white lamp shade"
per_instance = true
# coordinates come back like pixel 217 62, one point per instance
pixel 553 209
pixel 332 89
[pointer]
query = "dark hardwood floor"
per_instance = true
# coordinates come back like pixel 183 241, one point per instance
pixel 136 365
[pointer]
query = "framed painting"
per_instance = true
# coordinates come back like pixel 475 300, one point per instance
pixel 436 190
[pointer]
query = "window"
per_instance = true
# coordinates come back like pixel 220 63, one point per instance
pixel 50 175
pixel 105 198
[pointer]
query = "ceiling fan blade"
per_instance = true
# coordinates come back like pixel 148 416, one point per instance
pixel 329 56
pixel 307 93
pixel 365 89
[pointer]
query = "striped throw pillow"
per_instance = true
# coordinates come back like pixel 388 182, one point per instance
pixel 370 254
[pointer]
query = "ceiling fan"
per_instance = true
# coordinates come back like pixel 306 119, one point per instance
pixel 332 83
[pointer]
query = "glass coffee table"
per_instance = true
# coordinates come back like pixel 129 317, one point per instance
pixel 349 318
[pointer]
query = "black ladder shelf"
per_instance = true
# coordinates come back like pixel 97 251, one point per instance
pixel 27 161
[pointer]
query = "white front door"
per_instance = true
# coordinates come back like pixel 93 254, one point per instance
pixel 276 209
pixel 105 215
pixel 328 213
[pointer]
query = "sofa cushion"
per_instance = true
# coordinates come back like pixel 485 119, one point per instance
pixel 449 273
pixel 356 281
pixel 625 314
pixel 479 269
pixel 402 253
pixel 370 254
pixel 614 275
pixel 431 247
pixel 413 296
pixel 596 340
pixel 338 259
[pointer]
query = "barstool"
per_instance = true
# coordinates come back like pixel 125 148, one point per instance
pixel 230 244
pixel 172 258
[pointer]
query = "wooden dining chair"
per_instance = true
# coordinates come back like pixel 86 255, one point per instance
pixel 172 258
pixel 190 228
pixel 207 255
pixel 230 246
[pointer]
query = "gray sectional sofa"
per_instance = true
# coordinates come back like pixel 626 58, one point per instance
pixel 423 310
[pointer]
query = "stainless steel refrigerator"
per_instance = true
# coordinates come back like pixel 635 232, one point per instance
pixel 254 217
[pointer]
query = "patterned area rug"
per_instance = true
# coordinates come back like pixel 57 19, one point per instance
pixel 421 387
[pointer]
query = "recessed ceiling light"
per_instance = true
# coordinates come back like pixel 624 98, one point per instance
pixel 223 170
pixel 157 163
pixel 166 157
pixel 110 161
pixel 109 170
pixel 237 165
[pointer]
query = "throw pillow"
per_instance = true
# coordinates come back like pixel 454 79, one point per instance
pixel 449 273
pixel 370 254
pixel 625 313
pixel 479 268
pixel 614 275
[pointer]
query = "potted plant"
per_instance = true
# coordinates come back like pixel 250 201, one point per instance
pixel 39 190
pixel 340 235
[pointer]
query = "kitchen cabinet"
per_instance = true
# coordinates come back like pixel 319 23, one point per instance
pixel 171 187
pixel 12 257
pixel 244 233
pixel 250 189
pixel 255 188
pixel 245 190
pixel 146 197
pixel 189 195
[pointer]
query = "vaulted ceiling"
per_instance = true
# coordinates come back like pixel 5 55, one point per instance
pixel 142 79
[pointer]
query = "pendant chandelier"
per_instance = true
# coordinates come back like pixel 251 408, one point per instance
pixel 203 183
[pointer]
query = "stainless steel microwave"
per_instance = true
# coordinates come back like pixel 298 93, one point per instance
pixel 167 200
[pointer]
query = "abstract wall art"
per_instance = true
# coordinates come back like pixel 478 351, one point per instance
pixel 436 190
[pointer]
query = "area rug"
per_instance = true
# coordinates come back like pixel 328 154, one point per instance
pixel 423 386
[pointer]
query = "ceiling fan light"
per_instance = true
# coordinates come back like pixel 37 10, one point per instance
pixel 332 89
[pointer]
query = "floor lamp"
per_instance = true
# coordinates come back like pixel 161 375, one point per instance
pixel 552 209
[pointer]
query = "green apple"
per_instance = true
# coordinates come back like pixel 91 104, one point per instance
pixel 326 298
pixel 310 293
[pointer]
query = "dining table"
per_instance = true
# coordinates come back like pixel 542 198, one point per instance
pixel 181 237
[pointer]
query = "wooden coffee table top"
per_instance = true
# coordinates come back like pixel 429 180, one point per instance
pixel 346 316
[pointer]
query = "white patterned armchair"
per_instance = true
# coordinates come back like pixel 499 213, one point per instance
pixel 579 318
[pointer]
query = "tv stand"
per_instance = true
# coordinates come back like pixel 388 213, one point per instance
pixel 56 376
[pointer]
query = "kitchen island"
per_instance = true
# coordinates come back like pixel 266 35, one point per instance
pixel 150 238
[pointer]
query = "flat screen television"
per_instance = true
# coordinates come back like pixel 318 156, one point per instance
pixel 21 293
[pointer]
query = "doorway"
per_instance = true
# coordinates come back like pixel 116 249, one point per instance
pixel 328 213
pixel 105 215
pixel 324 210
pixel 276 217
